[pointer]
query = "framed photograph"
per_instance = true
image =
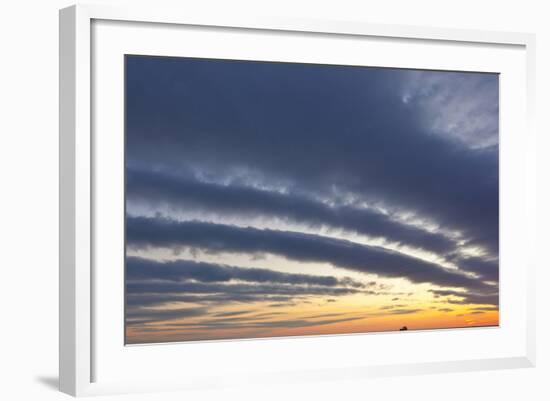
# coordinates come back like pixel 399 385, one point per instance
pixel 271 200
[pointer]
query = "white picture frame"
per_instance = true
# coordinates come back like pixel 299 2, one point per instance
pixel 78 368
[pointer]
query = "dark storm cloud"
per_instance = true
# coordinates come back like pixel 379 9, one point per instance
pixel 314 130
pixel 143 233
pixel 143 269
pixel 154 189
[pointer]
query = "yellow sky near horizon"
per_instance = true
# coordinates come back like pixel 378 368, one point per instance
pixel 365 320
pixel 393 303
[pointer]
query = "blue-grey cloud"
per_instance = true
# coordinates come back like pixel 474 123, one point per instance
pixel 159 232
pixel 486 269
pixel 485 308
pixel 159 298
pixel 233 313
pixel 334 132
pixel 250 324
pixel 144 269
pixel 490 298
pixel 402 311
pixel 163 287
pixel 156 190
pixel 143 316
pixel 150 283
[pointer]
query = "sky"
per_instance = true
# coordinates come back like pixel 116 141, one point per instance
pixel 282 199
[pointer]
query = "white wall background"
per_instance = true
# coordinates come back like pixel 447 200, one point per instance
pixel 29 185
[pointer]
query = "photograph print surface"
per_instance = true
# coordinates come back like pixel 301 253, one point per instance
pixel 268 199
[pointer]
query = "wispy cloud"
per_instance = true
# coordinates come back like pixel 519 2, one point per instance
pixel 490 298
